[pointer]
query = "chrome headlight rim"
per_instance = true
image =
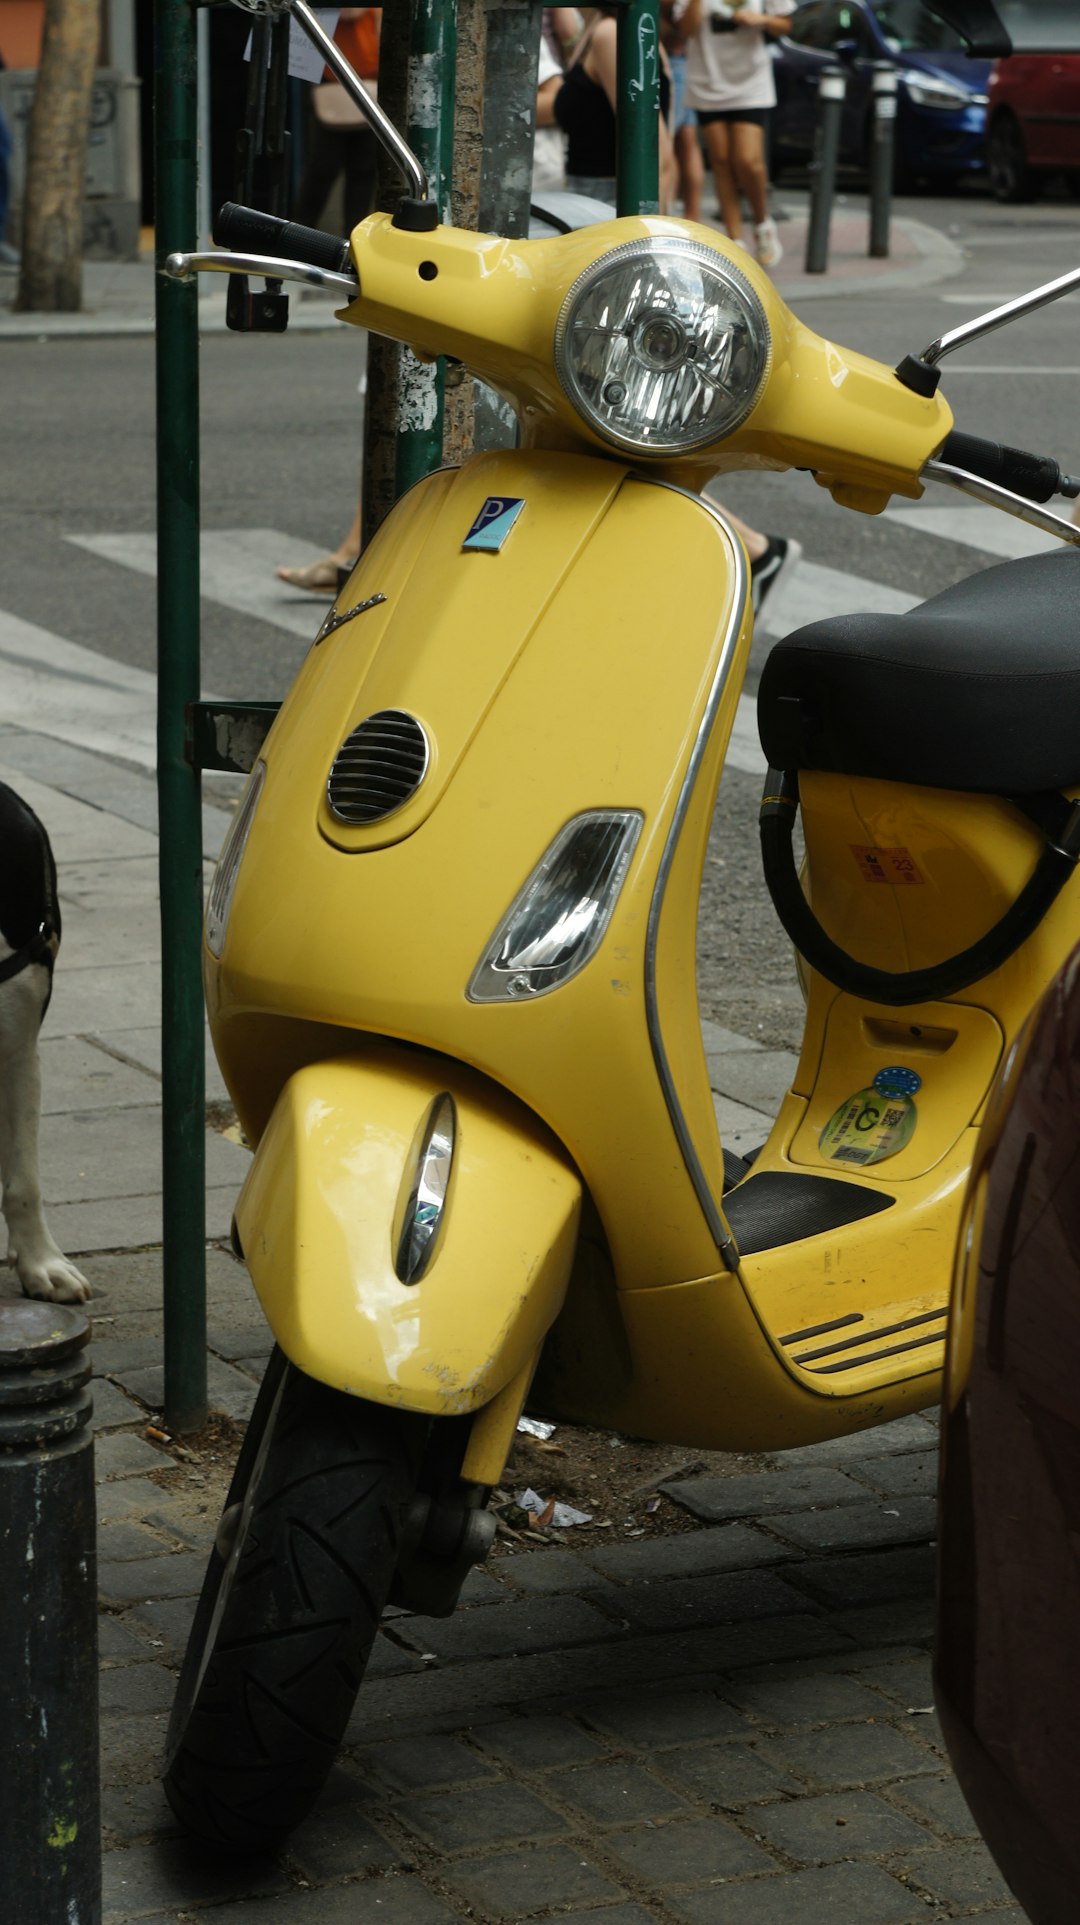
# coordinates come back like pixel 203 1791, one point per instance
pixel 653 246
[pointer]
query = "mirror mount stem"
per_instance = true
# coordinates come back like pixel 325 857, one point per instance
pixel 921 372
pixel 381 125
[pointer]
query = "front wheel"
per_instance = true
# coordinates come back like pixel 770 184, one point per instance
pixel 1011 179
pixel 303 1562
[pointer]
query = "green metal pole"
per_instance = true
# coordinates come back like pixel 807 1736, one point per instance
pixel 637 164
pixel 183 1094
pixel 432 62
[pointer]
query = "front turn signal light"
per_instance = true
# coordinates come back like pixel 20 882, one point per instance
pixel 557 920
pixel 223 884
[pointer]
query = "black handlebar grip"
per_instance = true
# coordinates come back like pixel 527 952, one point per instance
pixel 1036 477
pixel 247 231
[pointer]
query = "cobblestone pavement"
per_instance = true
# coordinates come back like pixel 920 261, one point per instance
pixel 733 1724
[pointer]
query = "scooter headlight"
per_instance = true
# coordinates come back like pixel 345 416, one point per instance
pixel 557 920
pixel 663 346
pixel 219 902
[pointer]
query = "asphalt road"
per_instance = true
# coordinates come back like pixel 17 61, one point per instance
pixel 281 423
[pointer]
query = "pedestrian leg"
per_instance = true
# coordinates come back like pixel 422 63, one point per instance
pixel 716 136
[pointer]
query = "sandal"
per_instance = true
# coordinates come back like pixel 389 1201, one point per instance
pixel 318 578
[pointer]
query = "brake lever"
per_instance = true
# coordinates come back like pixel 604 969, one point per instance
pixel 997 497
pixel 182 267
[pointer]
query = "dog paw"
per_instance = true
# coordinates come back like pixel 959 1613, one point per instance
pixel 53 1280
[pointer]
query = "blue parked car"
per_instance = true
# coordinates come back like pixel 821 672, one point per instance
pixel 941 91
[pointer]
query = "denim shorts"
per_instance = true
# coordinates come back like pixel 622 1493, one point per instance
pixel 681 114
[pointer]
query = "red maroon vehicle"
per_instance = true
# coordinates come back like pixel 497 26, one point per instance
pixel 1008 1647
pixel 1033 124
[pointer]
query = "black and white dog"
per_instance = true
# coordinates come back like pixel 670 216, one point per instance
pixel 29 940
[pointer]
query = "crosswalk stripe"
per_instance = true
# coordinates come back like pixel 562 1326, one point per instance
pixel 987 529
pixel 237 571
pixel 1011 368
pixel 50 686
pixel 809 592
pixel 73 695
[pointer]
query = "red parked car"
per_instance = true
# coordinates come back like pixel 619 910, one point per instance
pixel 1033 123
pixel 1007 1662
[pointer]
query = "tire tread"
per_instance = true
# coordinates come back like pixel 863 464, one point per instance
pixel 252 1741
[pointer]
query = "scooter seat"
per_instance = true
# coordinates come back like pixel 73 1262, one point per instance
pixel 978 688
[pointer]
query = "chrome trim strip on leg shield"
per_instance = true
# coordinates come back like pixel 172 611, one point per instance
pixel 722 1236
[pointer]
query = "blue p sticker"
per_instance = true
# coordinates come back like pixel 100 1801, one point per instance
pixel 494 522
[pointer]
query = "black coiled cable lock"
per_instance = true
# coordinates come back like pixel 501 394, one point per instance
pixel 1057 818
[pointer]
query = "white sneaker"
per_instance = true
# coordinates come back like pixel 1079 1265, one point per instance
pixel 778 556
pixel 769 250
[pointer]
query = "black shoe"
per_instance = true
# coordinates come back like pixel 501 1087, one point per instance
pixel 766 571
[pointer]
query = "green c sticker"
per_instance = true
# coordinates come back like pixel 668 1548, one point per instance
pixel 876 1122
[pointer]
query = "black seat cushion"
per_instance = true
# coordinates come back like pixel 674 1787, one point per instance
pixel 977 688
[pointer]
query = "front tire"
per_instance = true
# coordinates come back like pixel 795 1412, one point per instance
pixel 1011 179
pixel 290 1606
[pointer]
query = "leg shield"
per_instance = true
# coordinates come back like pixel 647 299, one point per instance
pixel 409 1229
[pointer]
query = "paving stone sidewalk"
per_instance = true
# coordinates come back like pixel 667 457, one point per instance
pixel 733 1724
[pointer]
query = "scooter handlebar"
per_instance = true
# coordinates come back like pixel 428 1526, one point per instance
pixel 1036 477
pixel 249 232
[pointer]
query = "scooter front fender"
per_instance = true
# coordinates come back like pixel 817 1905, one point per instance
pixel 319 1223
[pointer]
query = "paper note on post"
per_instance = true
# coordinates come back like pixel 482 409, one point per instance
pixel 305 61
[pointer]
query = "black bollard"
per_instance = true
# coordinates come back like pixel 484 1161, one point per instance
pixel 882 149
pixel 832 86
pixel 50 1802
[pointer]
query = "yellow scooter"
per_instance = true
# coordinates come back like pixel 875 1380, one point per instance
pixel 450 945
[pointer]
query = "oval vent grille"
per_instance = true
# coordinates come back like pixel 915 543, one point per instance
pixel 378 767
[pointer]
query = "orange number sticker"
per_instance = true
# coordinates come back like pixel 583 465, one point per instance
pixel 885 865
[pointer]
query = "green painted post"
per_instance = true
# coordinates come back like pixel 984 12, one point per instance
pixel 432 63
pixel 183 1094
pixel 637 166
